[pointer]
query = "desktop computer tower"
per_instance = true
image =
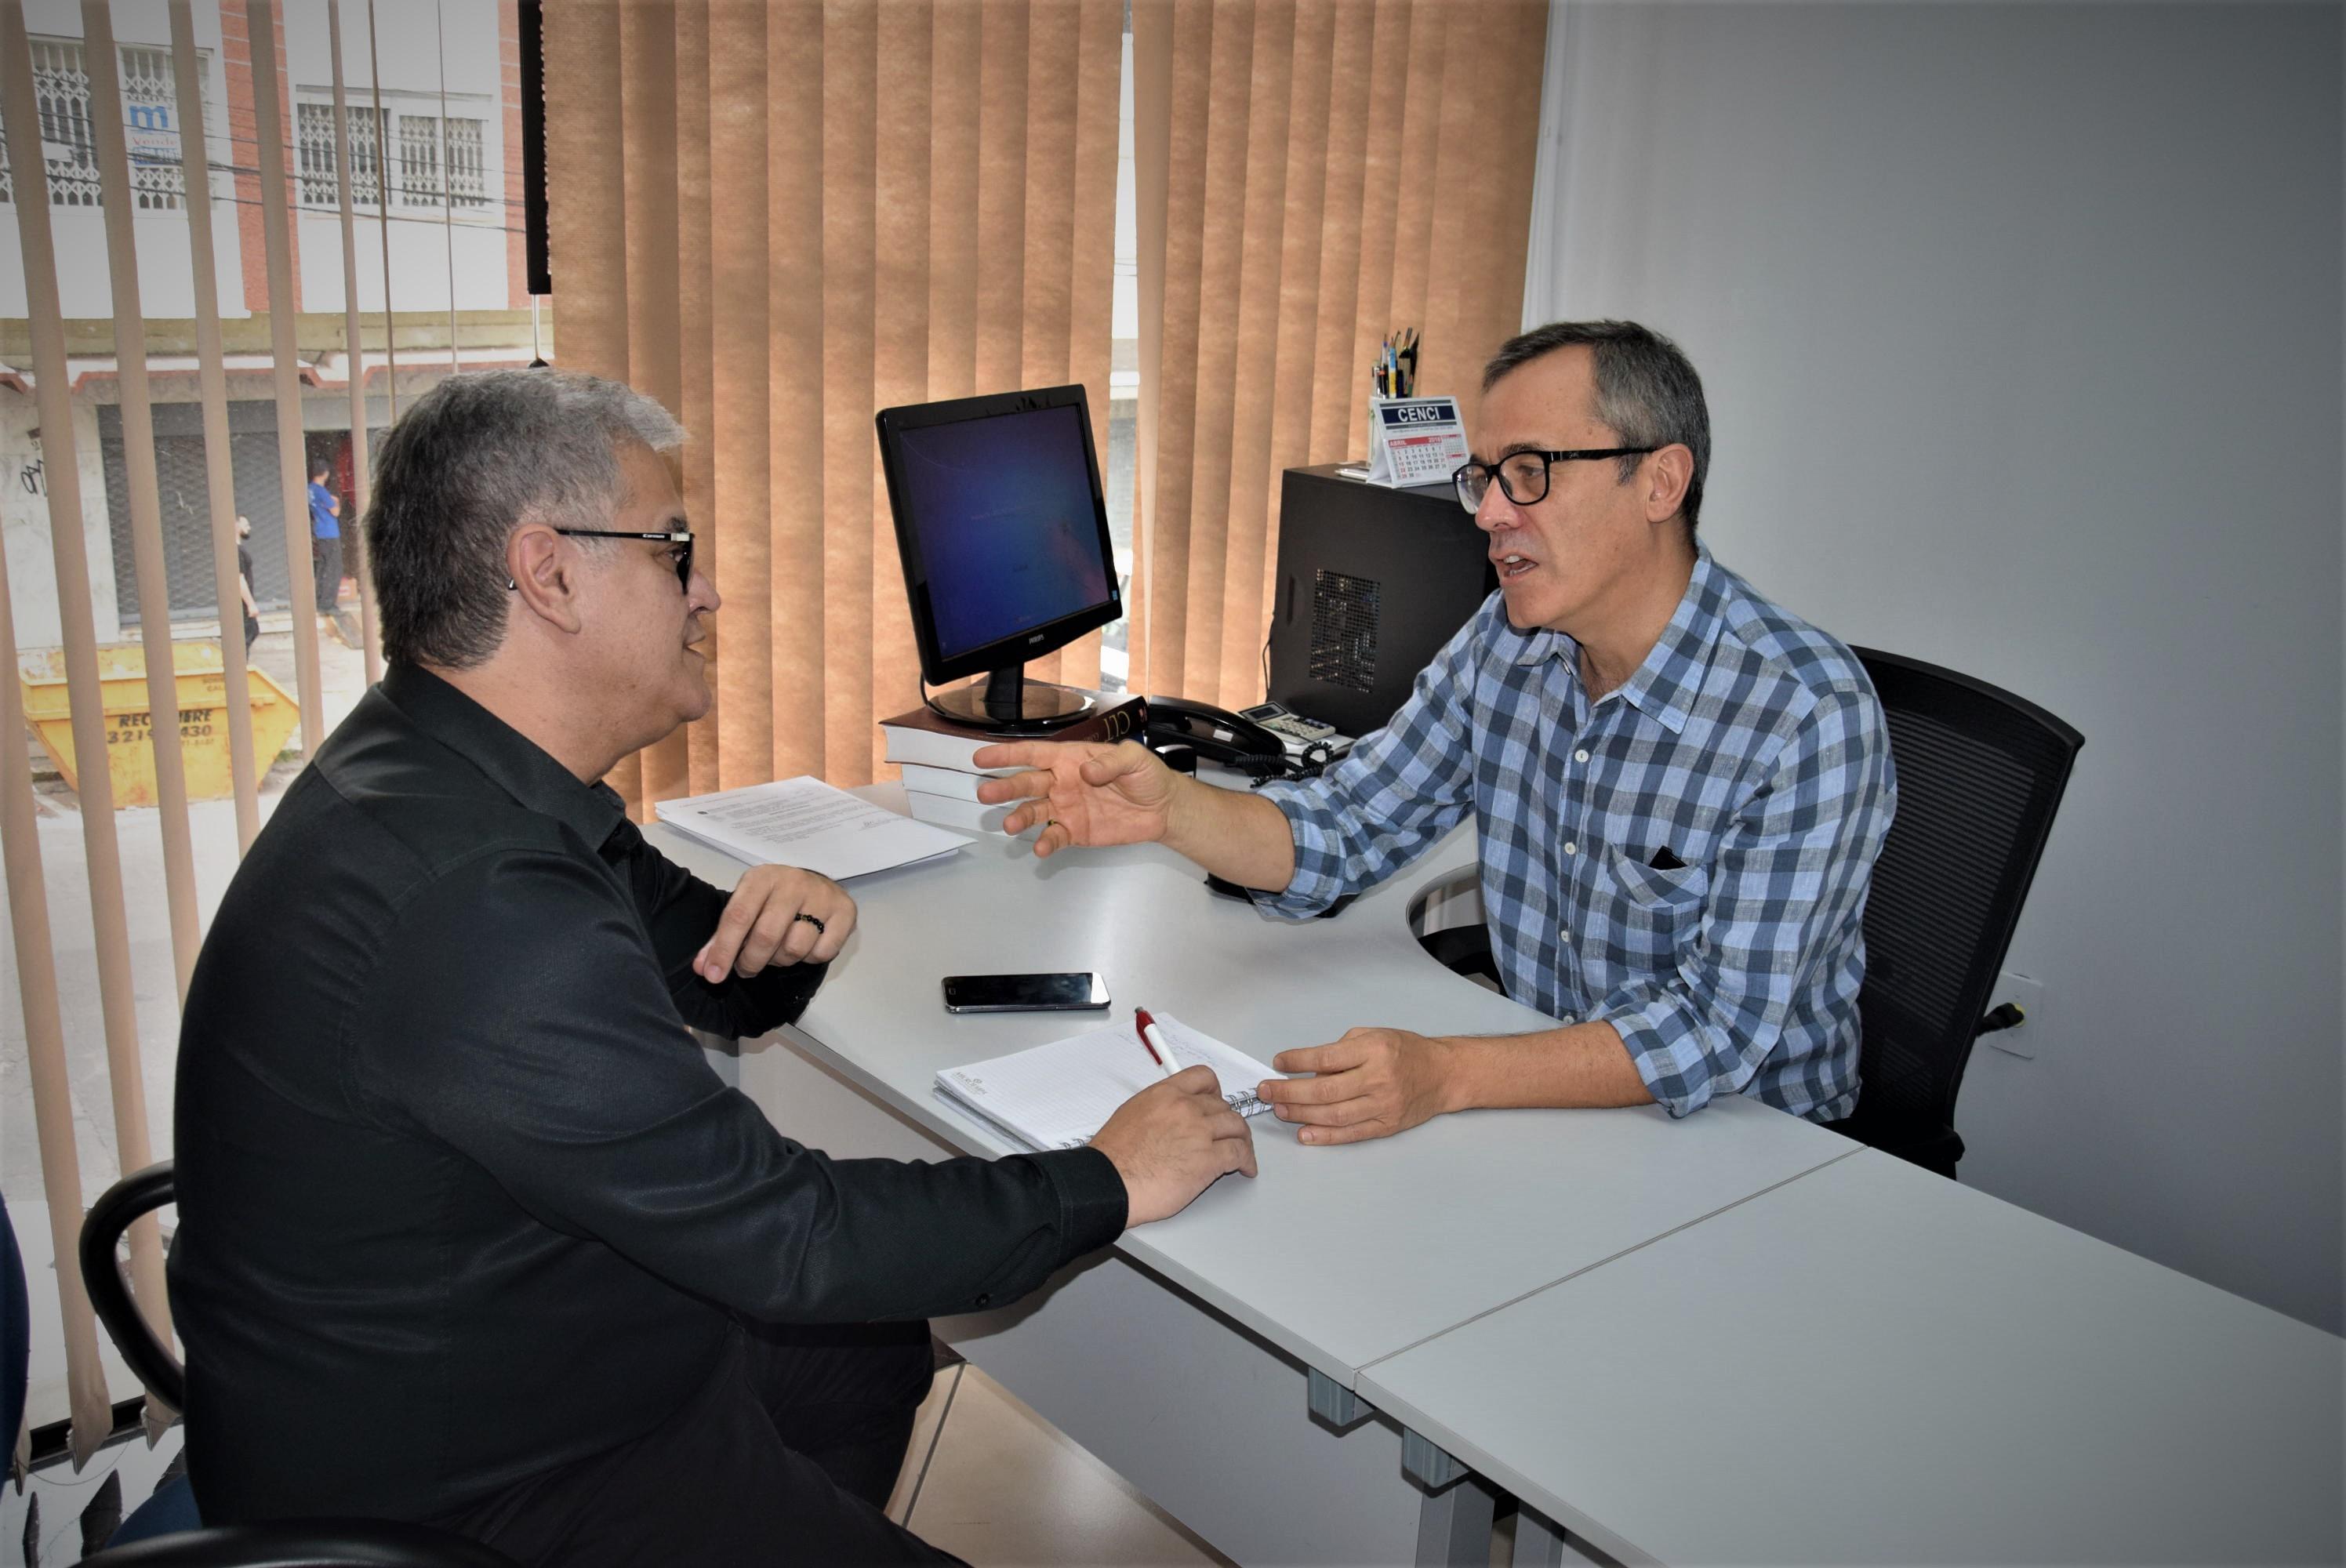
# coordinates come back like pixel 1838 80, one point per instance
pixel 1370 583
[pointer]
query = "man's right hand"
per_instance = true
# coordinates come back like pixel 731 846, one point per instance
pixel 1172 1141
pixel 1081 794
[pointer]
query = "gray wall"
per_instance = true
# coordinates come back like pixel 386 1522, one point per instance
pixel 2022 329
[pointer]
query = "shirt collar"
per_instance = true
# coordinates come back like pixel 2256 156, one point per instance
pixel 508 758
pixel 1665 685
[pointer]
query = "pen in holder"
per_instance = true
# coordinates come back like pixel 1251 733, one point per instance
pixel 1394 375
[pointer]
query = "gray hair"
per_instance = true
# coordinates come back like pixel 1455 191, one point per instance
pixel 472 460
pixel 1647 391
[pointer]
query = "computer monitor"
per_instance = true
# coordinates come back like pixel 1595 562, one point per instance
pixel 1001 523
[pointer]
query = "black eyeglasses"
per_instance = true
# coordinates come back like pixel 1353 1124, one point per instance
pixel 681 536
pixel 1523 476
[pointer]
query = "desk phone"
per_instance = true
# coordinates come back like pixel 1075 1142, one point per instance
pixel 1294 731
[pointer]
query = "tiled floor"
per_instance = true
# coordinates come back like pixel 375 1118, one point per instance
pixel 990 1481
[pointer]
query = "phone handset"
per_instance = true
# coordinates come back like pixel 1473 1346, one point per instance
pixel 1214 734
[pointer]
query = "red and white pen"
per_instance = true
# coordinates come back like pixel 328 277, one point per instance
pixel 1152 1040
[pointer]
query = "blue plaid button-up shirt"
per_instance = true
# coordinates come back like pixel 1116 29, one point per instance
pixel 1685 859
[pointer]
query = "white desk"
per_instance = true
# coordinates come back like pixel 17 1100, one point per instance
pixel 1183 1359
pixel 1873 1365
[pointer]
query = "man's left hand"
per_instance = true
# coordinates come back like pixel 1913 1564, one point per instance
pixel 778 915
pixel 1372 1083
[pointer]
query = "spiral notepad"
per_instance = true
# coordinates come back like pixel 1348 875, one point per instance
pixel 1056 1096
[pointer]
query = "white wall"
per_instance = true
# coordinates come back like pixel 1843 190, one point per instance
pixel 2021 330
pixel 25 533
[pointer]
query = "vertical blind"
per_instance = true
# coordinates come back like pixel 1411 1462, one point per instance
pixel 91 157
pixel 1312 175
pixel 779 219
pixel 803 212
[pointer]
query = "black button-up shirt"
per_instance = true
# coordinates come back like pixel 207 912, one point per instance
pixel 460 1198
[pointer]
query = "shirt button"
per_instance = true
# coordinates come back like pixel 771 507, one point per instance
pixel 1564 935
pixel 1580 756
pixel 983 1299
pixel 1570 848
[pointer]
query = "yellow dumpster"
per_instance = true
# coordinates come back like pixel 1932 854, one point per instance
pixel 130 748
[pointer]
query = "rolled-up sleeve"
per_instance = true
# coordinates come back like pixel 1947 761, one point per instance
pixel 1791 871
pixel 1392 797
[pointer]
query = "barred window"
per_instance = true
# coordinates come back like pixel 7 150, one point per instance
pixel 425 141
pixel 468 184
pixel 150 104
pixel 315 131
pixel 417 177
pixel 70 138
pixel 366 156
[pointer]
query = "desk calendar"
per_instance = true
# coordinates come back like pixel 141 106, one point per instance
pixel 1414 440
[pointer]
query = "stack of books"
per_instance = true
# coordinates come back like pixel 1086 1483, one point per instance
pixel 941 782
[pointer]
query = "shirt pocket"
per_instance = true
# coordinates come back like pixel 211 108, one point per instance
pixel 1652 912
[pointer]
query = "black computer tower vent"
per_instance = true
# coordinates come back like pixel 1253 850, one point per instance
pixel 1344 630
pixel 1370 583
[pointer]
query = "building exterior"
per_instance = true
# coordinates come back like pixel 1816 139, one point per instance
pixel 435 175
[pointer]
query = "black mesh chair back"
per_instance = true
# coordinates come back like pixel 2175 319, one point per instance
pixel 1980 775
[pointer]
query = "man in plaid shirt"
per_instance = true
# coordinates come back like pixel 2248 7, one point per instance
pixel 1680 789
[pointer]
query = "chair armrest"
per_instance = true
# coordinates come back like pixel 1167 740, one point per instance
pixel 305 1544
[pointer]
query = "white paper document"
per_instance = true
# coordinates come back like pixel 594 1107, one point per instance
pixel 806 823
pixel 1056 1096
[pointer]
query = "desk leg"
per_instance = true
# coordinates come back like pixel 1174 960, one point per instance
pixel 1538 1543
pixel 1209 1421
pixel 1453 1525
pixel 1453 1522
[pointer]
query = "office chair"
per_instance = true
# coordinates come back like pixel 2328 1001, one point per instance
pixel 16 1329
pixel 1980 775
pixel 164 1532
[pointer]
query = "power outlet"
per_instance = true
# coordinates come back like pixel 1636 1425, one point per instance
pixel 2027 994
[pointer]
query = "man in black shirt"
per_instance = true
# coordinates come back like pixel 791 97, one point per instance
pixel 470 1231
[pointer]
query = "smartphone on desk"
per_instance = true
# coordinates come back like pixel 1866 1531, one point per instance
pixel 1067 992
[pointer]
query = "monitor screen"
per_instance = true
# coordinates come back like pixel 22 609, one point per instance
pixel 1004 512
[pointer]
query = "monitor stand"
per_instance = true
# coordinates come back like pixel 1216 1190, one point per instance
pixel 1009 701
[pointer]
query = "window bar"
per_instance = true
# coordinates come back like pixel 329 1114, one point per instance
pixel 154 584
pixel 292 458
pixel 362 481
pixel 194 161
pixel 45 1045
pixel 101 847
